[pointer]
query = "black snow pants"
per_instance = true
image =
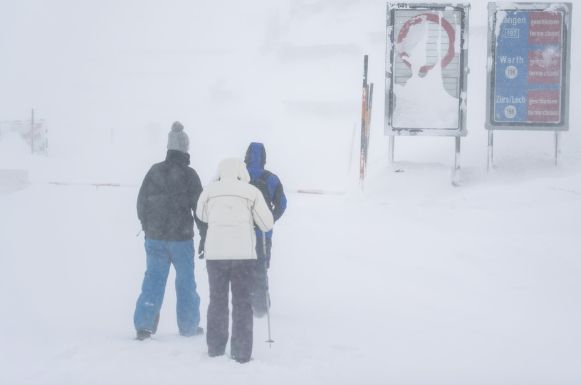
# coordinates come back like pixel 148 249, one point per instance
pixel 239 275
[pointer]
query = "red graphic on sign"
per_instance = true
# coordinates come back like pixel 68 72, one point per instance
pixel 432 18
pixel 545 66
pixel 545 27
pixel 544 106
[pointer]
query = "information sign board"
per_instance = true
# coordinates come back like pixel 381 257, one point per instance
pixel 528 71
pixel 426 69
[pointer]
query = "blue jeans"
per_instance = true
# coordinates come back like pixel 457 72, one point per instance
pixel 160 255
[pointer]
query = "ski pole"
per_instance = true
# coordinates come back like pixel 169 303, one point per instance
pixel 267 295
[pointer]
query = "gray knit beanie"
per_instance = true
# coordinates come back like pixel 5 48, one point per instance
pixel 177 139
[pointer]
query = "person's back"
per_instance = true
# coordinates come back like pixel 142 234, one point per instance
pixel 255 160
pixel 167 197
pixel 165 206
pixel 228 206
pixel 231 207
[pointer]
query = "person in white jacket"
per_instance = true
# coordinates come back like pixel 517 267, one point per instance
pixel 232 208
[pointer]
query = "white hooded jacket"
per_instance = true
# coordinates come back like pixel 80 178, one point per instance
pixel 231 207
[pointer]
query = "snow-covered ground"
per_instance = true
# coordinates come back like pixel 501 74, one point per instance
pixel 410 281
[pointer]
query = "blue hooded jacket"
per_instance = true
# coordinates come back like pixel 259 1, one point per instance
pixel 255 160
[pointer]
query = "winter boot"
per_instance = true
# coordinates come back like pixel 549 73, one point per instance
pixel 143 335
pixel 199 331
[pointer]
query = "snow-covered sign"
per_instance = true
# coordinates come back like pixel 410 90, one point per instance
pixel 33 132
pixel 528 66
pixel 426 69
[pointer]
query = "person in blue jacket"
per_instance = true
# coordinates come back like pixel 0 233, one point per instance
pixel 272 189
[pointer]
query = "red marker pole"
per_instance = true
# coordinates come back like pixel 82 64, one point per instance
pixel 364 98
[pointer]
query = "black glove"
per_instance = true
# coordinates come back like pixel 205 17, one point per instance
pixel 203 229
pixel 201 248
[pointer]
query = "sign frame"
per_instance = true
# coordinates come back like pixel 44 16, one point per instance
pixel 565 55
pixel 460 130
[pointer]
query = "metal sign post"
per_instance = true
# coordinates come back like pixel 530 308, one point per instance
pixel 390 150
pixel 557 147
pixel 490 161
pixel 528 72
pixel 426 72
pixel 456 170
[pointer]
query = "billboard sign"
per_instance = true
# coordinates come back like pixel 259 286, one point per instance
pixel 426 69
pixel 528 66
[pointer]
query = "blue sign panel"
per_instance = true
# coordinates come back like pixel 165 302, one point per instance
pixel 528 67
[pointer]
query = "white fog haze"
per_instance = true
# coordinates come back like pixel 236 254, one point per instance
pixel 404 279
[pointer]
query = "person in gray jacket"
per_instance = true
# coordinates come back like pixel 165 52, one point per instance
pixel 231 207
pixel 165 206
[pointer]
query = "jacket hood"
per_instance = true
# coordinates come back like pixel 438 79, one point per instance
pixel 233 169
pixel 255 159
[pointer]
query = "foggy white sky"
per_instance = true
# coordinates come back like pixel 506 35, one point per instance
pixel 285 72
